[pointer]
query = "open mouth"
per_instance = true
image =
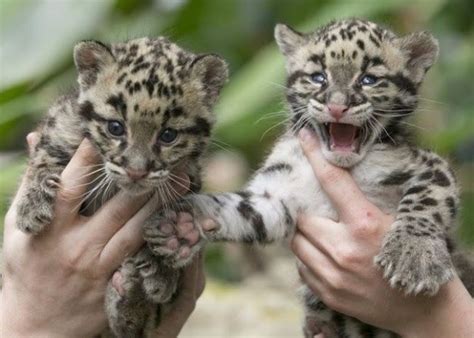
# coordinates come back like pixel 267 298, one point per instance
pixel 341 137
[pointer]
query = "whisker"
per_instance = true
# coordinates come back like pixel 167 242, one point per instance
pixel 385 130
pixel 176 179
pixel 101 176
pixel 277 84
pixel 274 126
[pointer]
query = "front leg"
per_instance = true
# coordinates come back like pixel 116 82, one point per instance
pixel 36 205
pixel 129 310
pixel 146 284
pixel 415 255
pixel 246 216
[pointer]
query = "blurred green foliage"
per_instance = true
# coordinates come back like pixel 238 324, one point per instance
pixel 37 37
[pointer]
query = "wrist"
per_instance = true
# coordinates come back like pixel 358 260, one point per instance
pixel 17 321
pixel 444 315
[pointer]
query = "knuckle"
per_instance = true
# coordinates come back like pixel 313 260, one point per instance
pixel 336 281
pixel 328 175
pixel 72 261
pixel 347 257
pixel 303 221
pixel 366 228
pixel 65 195
pixel 329 299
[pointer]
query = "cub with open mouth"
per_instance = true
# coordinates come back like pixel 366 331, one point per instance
pixel 353 82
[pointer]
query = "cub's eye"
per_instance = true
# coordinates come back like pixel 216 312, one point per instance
pixel 116 128
pixel 368 80
pixel 168 135
pixel 319 78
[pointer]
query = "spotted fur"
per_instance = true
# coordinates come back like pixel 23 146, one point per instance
pixel 146 106
pixel 327 67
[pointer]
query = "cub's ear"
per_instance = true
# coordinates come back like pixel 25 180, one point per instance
pixel 90 58
pixel 422 50
pixel 288 39
pixel 212 71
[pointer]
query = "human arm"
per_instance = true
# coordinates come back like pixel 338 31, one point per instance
pixel 339 268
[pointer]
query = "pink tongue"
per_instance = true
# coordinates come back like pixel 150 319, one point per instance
pixel 342 135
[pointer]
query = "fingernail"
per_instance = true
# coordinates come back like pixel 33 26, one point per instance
pixel 30 138
pixel 117 283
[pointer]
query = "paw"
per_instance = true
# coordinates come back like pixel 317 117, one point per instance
pixel 52 183
pixel 415 264
pixel 36 208
pixel 126 307
pixel 175 236
pixel 159 281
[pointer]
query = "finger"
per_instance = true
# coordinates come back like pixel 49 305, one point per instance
pixel 117 282
pixel 81 170
pixel 321 232
pixel 10 217
pixel 335 297
pixel 126 240
pixel 32 140
pixel 311 281
pixel 201 276
pixel 189 279
pixel 315 260
pixel 174 320
pixel 112 216
pixel 339 185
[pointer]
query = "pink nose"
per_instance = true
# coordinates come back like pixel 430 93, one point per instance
pixel 337 110
pixel 136 174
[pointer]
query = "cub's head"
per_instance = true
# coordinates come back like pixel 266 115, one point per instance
pixel 353 81
pixel 146 105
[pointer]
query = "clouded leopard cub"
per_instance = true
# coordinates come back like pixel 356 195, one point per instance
pixel 353 82
pixel 146 105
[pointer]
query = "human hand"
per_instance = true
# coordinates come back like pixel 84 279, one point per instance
pixel 339 269
pixel 54 283
pixel 192 285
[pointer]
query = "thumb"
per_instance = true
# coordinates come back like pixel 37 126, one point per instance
pixel 32 140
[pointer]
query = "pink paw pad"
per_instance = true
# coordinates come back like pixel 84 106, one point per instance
pixel 172 244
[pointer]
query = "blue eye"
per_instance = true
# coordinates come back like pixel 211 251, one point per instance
pixel 319 78
pixel 116 128
pixel 368 80
pixel 168 135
